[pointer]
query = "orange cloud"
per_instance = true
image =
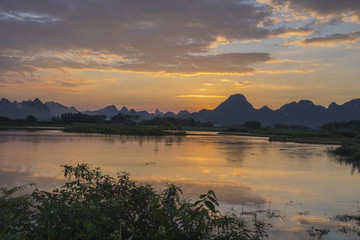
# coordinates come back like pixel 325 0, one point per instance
pixel 244 84
pixel 322 8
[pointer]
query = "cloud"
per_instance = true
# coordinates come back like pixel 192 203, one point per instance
pixel 231 63
pixel 281 71
pixel 161 36
pixel 324 8
pixel 328 41
pixel 287 32
pixel 226 80
pixel 244 84
pixel 14 64
pixel 74 83
pixel 142 36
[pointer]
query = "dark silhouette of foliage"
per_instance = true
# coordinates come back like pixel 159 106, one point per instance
pixel 122 130
pixel 291 127
pixel 92 205
pixel 31 119
pixel 69 118
pixel 127 120
pixel 176 122
pixel 253 125
pixel 344 126
pixel 4 119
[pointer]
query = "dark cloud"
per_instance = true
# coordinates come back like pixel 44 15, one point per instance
pixel 161 35
pixel 324 7
pixel 329 40
pixel 14 64
pixel 223 63
pixel 333 38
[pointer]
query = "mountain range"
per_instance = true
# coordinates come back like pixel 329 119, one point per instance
pixel 233 111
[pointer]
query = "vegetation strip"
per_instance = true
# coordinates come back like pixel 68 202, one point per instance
pixel 123 130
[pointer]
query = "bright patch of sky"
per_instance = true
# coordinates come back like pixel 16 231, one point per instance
pixel 26 16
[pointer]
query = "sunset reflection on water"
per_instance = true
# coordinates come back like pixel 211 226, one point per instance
pixel 246 173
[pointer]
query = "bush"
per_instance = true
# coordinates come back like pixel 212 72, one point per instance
pixel 96 206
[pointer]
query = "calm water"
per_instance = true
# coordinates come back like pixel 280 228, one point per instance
pixel 246 173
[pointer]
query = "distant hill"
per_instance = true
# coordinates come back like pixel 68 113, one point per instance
pixel 108 111
pixel 237 110
pixel 15 110
pixel 56 109
pixel 233 111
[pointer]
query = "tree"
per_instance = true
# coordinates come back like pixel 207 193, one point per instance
pixel 252 125
pixel 31 119
pixel 128 120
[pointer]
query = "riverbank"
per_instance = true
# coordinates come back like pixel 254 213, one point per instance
pixel 295 136
pixel 123 130
pixel 31 128
pixel 246 173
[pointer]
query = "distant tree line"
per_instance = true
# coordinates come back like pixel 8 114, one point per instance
pixel 256 125
pixel 343 126
pixel 4 119
pixel 130 120
pixel 30 120
pixel 291 127
pixel 350 147
pixel 247 126
pixel 127 120
pixel 174 121
pixel 69 118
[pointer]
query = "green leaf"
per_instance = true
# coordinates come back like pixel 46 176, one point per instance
pixel 202 196
pixel 2 232
pixel 210 205
pixel 211 192
pixel 213 200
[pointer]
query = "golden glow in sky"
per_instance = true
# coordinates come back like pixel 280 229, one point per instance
pixel 179 54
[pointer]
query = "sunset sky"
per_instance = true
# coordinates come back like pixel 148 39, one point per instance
pixel 179 54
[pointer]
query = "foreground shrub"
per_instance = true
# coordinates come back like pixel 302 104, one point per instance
pixel 92 205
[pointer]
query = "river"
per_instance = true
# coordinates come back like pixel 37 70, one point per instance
pixel 302 184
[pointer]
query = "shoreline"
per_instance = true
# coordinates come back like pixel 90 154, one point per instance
pixel 284 138
pixel 271 137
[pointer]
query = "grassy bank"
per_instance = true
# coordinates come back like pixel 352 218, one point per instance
pixel 122 130
pixel 31 128
pixel 286 135
pixel 349 153
pixel 347 140
pixel 28 125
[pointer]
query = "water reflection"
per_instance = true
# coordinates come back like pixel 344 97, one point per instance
pixel 17 177
pixel 246 173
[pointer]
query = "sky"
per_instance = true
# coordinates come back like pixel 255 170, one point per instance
pixel 179 54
